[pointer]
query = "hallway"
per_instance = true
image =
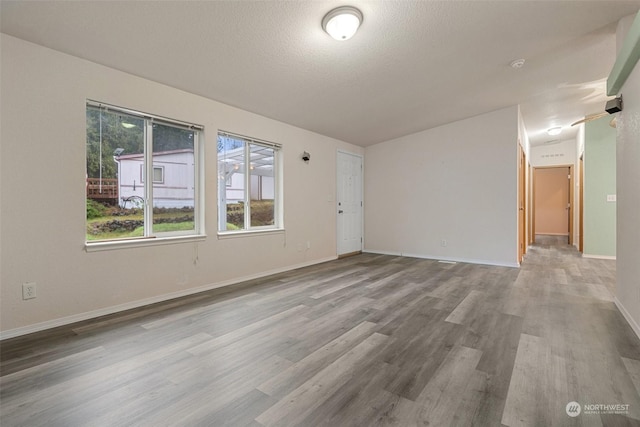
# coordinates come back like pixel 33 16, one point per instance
pixel 574 344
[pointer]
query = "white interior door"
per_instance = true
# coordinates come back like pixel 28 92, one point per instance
pixel 349 203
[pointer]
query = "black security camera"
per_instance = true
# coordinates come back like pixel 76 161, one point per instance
pixel 614 105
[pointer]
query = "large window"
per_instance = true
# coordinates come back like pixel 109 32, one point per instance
pixel 248 184
pixel 123 148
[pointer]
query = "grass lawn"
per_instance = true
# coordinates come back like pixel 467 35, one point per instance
pixel 108 223
pixel 162 227
pixel 139 231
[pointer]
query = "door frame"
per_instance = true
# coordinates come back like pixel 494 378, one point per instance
pixel 530 203
pixel 571 198
pixel 522 203
pixel 338 153
pixel 581 205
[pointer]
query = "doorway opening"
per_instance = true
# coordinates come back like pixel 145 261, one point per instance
pixel 553 202
pixel 522 204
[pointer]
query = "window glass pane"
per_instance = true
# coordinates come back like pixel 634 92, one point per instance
pixel 173 179
pixel 114 187
pixel 262 186
pixel 231 186
pixel 158 174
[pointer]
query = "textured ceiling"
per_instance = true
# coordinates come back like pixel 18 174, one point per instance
pixel 412 66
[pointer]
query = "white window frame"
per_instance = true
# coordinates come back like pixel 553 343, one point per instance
pixel 278 204
pixel 156 238
pixel 160 168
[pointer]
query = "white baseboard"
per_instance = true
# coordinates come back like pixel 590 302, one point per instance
pixel 24 330
pixel 627 316
pixel 599 256
pixel 439 258
pixel 367 251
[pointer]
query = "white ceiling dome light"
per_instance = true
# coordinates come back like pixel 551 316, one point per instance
pixel 554 131
pixel 342 23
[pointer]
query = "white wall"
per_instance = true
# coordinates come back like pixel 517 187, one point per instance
pixel 628 200
pixel 456 182
pixel 562 153
pixel 43 135
pixel 523 136
pixel 580 141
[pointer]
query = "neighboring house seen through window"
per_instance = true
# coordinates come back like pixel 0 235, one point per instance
pixel 248 184
pixel 123 147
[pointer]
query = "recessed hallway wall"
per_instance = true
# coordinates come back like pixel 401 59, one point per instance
pixel 446 193
pixel 600 197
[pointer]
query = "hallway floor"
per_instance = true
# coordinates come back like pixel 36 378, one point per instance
pixel 362 341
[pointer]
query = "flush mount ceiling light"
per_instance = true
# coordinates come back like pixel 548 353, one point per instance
pixel 554 131
pixel 342 23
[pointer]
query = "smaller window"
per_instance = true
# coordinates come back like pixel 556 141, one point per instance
pixel 249 183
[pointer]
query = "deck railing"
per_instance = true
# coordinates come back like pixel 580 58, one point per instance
pixel 105 188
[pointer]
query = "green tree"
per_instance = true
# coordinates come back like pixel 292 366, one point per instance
pixel 107 131
pixel 166 138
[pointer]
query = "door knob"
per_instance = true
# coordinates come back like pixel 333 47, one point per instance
pixel 339 212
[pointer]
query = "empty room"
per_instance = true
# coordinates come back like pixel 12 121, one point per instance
pixel 305 213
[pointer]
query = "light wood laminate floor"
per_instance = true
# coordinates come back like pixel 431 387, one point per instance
pixel 363 341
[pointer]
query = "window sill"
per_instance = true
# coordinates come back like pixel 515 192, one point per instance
pixel 139 243
pixel 248 233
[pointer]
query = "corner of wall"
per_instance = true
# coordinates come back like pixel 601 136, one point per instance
pixel 627 177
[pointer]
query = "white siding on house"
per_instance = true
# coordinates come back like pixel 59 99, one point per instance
pixel 176 190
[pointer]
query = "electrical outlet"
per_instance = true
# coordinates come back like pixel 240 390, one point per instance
pixel 308 245
pixel 29 290
pixel 443 243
